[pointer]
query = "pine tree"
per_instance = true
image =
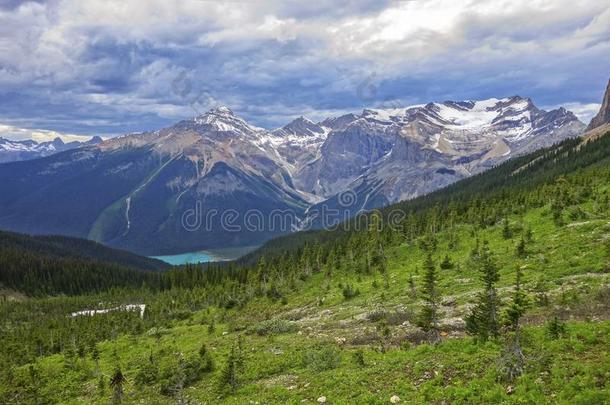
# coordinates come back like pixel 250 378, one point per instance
pixel 483 320
pixel 95 355
pixel 556 328
pixel 507 233
pixel 331 263
pixel 207 362
pixel 101 385
pixel 70 357
pixel 378 259
pixel 180 381
pixel 447 264
pixel 228 374
pixel 513 361
pixel 521 249
pixel 428 318
pixel 116 383
pixel 412 287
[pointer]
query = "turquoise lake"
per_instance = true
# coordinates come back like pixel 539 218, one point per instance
pixel 205 256
pixel 187 258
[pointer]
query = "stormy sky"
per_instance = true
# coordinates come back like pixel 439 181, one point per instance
pixel 95 67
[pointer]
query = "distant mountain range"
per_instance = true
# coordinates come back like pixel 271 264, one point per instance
pixel 13 151
pixel 217 181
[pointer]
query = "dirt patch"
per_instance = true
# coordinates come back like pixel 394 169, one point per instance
pixel 284 380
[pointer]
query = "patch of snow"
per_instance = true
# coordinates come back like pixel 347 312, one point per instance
pixel 480 115
pixel 129 307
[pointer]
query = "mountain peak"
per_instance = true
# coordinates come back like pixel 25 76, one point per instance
pixel 95 140
pixel 603 116
pixel 222 119
pixel 301 126
pixel 221 110
pixel 303 119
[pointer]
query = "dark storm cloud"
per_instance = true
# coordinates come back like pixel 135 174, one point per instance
pixel 114 67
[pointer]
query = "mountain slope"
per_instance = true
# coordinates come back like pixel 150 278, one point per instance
pixel 217 181
pixel 140 191
pixel 416 150
pixel 603 116
pixel 536 169
pixel 340 322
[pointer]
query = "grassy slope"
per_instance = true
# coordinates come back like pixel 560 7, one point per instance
pixel 572 260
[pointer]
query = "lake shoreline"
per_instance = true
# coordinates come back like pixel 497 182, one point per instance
pixel 206 255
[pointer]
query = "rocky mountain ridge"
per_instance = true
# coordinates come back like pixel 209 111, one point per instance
pixel 215 180
pixel 11 150
pixel 603 116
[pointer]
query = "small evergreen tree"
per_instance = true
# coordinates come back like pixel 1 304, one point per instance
pixel 207 362
pixel 412 288
pixel 428 318
pixel 180 381
pixel 556 328
pixel 359 358
pixel 540 290
pixel 507 233
pixel 101 385
pixel 349 291
pixel 513 361
pixel 70 357
pixel 483 320
pixel 95 356
pixel 447 264
pixel 521 249
pixel 228 374
pixel 384 331
pixel 116 383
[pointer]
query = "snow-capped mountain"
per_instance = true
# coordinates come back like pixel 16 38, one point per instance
pixel 397 154
pixel 215 180
pixel 11 151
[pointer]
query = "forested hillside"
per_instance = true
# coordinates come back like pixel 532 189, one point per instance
pixel 494 290
pixel 498 185
pixel 66 247
pixel 39 265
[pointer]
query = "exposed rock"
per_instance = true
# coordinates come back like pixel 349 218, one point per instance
pixel 344 165
pixel 603 116
pixel 394 399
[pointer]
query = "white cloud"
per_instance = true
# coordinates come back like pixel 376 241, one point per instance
pixel 584 112
pixel 39 135
pixel 117 58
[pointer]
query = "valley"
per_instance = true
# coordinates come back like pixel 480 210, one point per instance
pixel 139 191
pixel 339 317
pixel 331 202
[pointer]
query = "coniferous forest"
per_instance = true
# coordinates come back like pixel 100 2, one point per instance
pixel 492 290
